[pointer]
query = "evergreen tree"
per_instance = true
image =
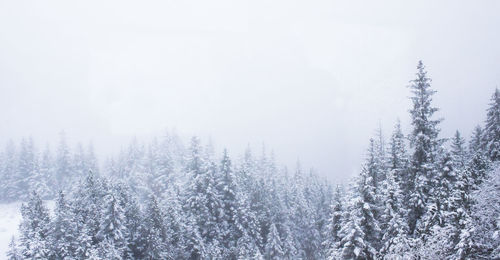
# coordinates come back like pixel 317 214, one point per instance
pixel 63 231
pixel 491 135
pixel 63 164
pixel 425 145
pixel 13 252
pixel 335 222
pixel 476 141
pixel 112 228
pixel 34 229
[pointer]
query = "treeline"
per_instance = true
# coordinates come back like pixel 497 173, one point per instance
pixel 418 196
pixel 25 168
pixel 424 197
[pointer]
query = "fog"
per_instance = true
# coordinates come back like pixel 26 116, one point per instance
pixel 310 79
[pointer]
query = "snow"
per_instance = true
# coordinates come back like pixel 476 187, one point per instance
pixel 10 218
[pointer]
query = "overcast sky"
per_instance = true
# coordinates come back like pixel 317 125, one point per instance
pixel 310 79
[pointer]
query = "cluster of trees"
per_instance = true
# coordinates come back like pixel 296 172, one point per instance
pixel 24 168
pixel 430 200
pixel 164 201
pixel 417 197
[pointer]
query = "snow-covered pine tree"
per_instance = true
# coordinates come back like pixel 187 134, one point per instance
pixel 8 188
pixel 155 233
pixel 226 187
pixel 42 180
pixel 352 244
pixel 34 229
pixel 425 145
pixel 486 211
pixel 202 200
pixel 13 252
pixel 63 164
pixel 64 233
pixel 458 151
pixel 491 135
pixel 273 247
pixel 26 169
pixel 112 228
pixel 334 223
pixel 476 141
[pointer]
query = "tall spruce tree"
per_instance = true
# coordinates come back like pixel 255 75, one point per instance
pixel 425 145
pixel 491 135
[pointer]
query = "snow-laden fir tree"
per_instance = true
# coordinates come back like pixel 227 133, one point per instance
pixel 476 141
pixel 112 228
pixel 63 164
pixel 34 229
pixel 64 233
pixel 491 135
pixel 334 223
pixel 425 146
pixel 13 252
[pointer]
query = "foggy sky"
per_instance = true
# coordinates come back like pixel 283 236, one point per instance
pixel 310 79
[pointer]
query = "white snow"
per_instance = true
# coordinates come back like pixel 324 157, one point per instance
pixel 10 218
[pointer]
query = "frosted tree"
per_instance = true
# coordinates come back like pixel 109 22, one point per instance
pixel 155 232
pixel 112 228
pixel 486 211
pixel 161 167
pixel 476 141
pixel 34 229
pixel 425 145
pixel 202 200
pixel 273 246
pixel 458 151
pixel 26 169
pixel 91 159
pixel 491 135
pixel 335 222
pixel 63 230
pixel 63 163
pixel 79 167
pixel 352 244
pixel 42 180
pixel 13 252
pixel 8 189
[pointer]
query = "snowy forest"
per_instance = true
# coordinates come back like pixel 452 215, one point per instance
pixel 419 195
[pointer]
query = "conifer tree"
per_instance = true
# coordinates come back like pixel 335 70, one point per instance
pixel 13 252
pixel 63 231
pixel 491 135
pixel 425 145
pixel 476 142
pixel 34 229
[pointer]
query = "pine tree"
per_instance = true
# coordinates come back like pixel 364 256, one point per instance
pixel 44 180
pixel 425 145
pixel 63 164
pixel 491 135
pixel 273 245
pixel 13 253
pixel 458 151
pixel 63 230
pixel 112 229
pixel 476 141
pixel 34 229
pixel 155 232
pixel 9 188
pixel 26 169
pixel 353 244
pixel 335 222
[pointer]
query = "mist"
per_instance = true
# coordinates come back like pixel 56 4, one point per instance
pixel 312 80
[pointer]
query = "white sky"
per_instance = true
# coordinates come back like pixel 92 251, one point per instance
pixel 311 79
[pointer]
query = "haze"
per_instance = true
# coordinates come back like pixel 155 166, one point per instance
pixel 310 79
